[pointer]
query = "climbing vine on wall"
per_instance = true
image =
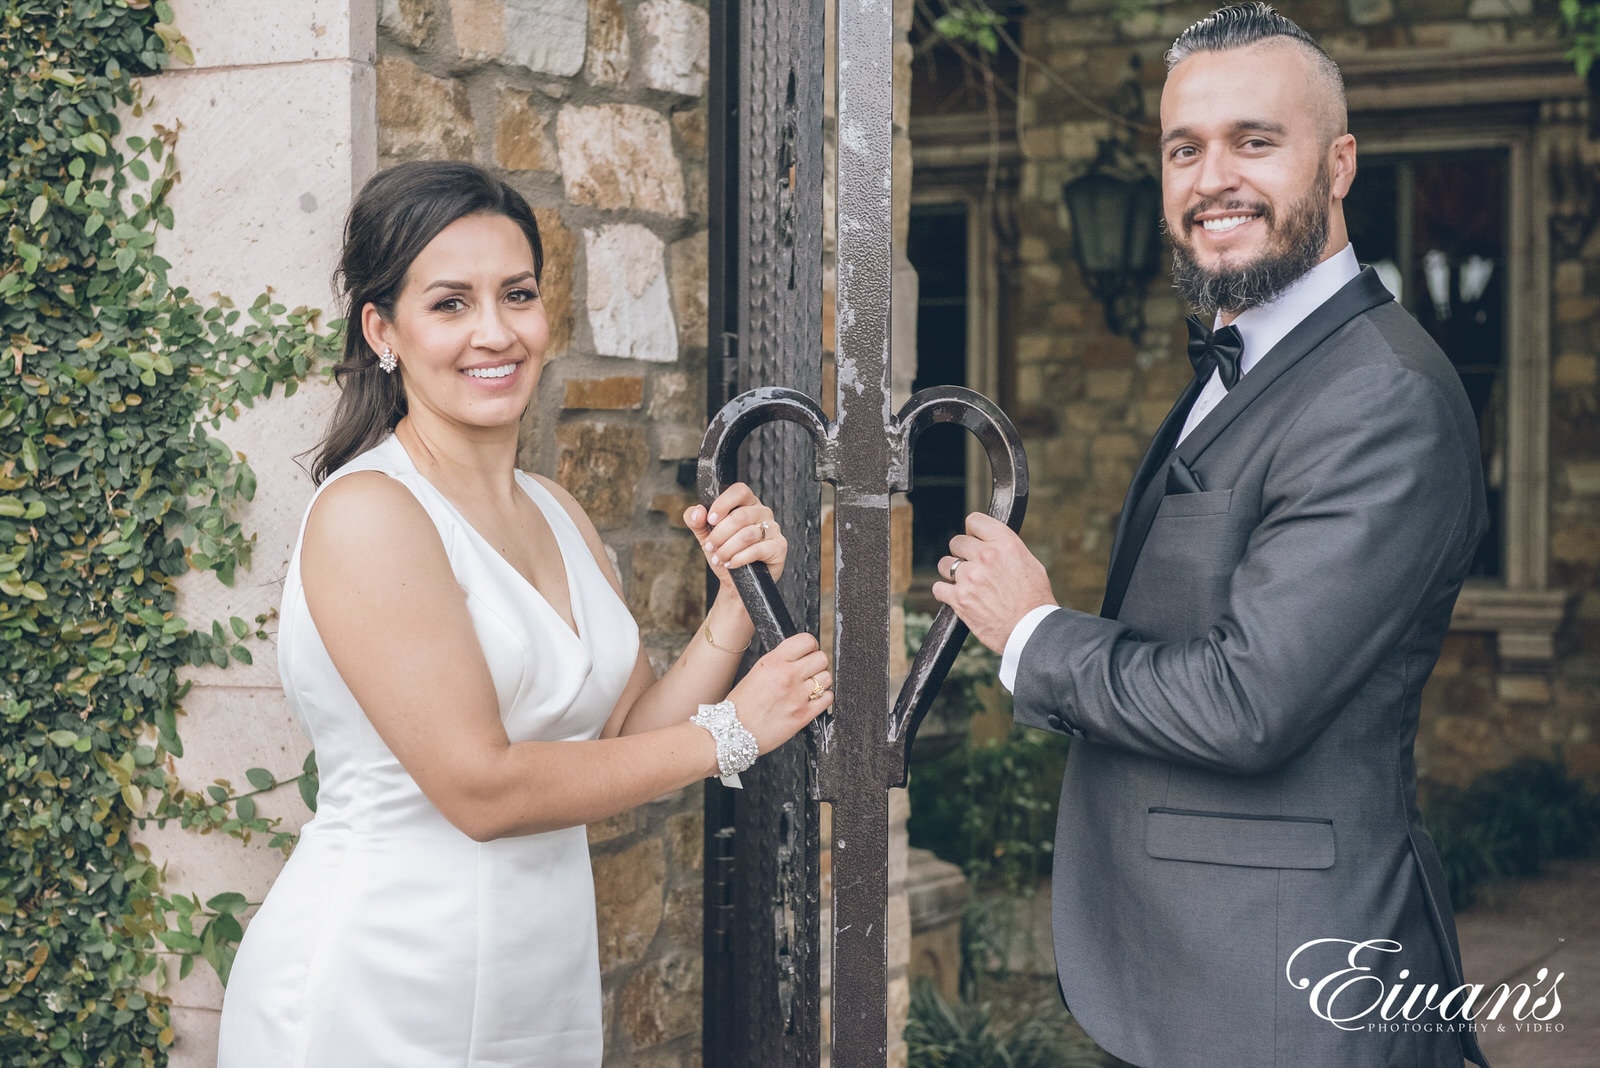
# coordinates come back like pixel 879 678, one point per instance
pixel 113 484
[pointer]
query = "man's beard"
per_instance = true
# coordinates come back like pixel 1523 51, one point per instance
pixel 1291 253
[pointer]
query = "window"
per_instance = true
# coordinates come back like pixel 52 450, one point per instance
pixel 1452 208
pixel 1434 227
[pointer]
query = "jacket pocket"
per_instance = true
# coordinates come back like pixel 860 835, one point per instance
pixel 1211 502
pixel 1239 839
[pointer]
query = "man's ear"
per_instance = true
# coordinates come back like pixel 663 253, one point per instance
pixel 1342 164
pixel 375 328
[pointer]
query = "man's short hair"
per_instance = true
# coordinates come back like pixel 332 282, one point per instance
pixel 1243 25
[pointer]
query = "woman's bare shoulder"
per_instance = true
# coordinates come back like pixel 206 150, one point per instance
pixel 370 518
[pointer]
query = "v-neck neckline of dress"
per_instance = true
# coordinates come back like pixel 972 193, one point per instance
pixel 527 484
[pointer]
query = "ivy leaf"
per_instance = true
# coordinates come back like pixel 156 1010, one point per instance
pixel 62 738
pixel 261 778
pixel 229 904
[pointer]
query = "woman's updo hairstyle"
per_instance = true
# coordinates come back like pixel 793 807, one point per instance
pixel 397 213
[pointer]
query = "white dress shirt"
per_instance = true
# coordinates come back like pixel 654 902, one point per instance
pixel 1260 329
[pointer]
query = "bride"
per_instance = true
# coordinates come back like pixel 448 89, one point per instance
pixel 455 644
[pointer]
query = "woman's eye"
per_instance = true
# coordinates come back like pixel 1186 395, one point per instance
pixel 450 304
pixel 522 296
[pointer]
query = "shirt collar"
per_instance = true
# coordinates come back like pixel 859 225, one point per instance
pixel 1263 327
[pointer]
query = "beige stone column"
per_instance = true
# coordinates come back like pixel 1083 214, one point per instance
pixel 275 133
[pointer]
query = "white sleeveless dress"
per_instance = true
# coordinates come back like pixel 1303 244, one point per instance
pixel 391 938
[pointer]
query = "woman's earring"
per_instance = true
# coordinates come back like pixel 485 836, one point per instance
pixel 388 361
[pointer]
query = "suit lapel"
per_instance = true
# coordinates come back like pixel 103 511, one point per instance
pixel 1360 294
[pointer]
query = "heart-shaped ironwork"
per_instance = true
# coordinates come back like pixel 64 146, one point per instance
pixel 1008 501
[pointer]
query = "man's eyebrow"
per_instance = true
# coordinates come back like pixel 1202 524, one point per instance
pixel 1183 133
pixel 450 283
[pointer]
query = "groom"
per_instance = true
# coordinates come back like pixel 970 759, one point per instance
pixel 1238 820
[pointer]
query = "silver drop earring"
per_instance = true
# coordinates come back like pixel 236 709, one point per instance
pixel 388 361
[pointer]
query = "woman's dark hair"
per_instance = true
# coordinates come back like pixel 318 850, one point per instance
pixel 397 213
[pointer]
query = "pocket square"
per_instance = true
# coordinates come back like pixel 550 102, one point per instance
pixel 1182 480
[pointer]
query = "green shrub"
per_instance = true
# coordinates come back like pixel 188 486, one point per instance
pixel 940 1035
pixel 1509 823
pixel 991 808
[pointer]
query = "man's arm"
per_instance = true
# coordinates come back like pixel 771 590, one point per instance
pixel 1369 509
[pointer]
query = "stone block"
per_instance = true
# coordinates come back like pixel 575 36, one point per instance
pixel 620 156
pixel 629 897
pixel 285 31
pixel 630 308
pixel 613 827
pixel 1109 385
pixel 411 21
pixel 608 51
pixel 614 393
pixel 676 51
pixel 666 586
pixel 1369 12
pixel 520 141
pixel 547 36
pixel 682 921
pixel 602 465
pixel 1583 479
pixel 675 399
pixel 688 260
pixel 899 545
pixel 1523 689
pixel 1575 371
pixel 691 129
pixel 555 282
pixel 686 840
pixel 1575 542
pixel 672 505
pixel 1499 9
pixel 197 1030
pixel 420 116
pixel 479 27
pixel 662 1001
pixel 678 442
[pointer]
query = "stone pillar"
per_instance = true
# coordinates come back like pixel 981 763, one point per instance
pixel 275 122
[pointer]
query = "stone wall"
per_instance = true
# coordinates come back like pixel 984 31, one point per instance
pixel 594 110
pixel 1087 401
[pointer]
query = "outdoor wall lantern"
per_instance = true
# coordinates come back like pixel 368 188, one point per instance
pixel 1115 208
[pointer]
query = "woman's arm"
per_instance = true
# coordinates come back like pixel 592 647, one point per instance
pixel 395 623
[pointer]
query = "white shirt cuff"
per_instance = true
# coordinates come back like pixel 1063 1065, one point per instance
pixel 1011 659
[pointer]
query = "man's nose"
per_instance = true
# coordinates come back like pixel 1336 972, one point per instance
pixel 1218 173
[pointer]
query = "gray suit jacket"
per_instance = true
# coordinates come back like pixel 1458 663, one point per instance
pixel 1243 780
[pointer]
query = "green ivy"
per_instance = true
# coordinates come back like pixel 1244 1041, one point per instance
pixel 112 486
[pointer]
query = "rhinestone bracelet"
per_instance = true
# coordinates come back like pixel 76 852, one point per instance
pixel 736 747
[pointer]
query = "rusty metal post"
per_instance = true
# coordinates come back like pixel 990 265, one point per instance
pixel 858 767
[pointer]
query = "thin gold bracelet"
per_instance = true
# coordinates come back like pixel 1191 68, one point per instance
pixel 724 648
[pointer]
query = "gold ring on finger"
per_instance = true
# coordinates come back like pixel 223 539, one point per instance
pixel 816 689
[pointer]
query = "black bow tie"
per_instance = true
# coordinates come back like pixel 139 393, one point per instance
pixel 1220 349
